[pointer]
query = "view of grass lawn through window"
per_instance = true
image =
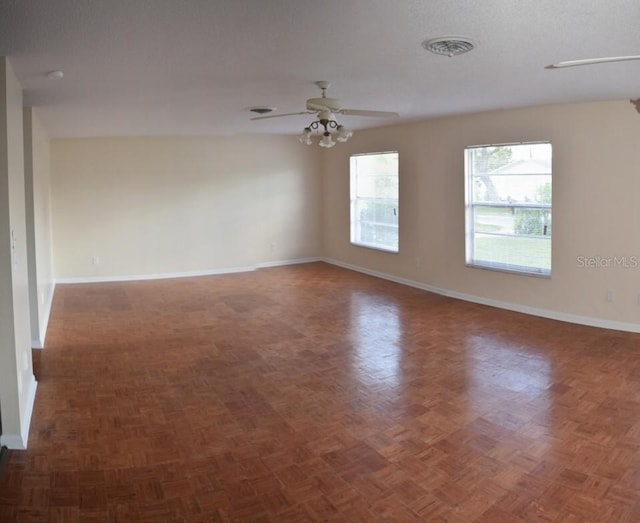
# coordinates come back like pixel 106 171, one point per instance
pixel 508 192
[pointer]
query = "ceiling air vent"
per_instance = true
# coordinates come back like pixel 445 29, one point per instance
pixel 448 45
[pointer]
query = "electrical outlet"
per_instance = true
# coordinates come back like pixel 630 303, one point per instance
pixel 95 260
pixel 609 295
pixel 273 246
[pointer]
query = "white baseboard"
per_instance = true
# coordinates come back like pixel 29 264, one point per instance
pixel 295 261
pixel 12 441
pixel 19 441
pixel 534 311
pixel 161 276
pixel 186 274
pixel 44 323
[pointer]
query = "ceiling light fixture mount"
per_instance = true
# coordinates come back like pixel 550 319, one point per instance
pixel 448 45
pixel 262 109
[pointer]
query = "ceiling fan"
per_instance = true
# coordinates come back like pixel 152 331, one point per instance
pixel 593 61
pixel 317 105
pixel 325 109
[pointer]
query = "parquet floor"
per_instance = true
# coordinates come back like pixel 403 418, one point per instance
pixel 312 393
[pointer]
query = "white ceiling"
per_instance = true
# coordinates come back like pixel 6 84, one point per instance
pixel 185 67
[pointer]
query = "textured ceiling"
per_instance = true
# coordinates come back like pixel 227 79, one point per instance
pixel 150 67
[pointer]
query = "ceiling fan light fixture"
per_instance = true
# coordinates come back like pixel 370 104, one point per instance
pixel 326 140
pixel 343 134
pixel 328 128
pixel 448 45
pixel 305 137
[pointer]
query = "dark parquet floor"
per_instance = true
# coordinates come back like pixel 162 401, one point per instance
pixel 313 393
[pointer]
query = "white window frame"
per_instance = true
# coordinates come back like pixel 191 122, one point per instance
pixel 470 204
pixel 356 230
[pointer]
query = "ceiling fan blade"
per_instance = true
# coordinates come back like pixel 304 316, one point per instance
pixel 363 112
pixel 590 61
pixel 279 115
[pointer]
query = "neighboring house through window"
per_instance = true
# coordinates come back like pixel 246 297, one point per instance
pixel 508 207
pixel 374 200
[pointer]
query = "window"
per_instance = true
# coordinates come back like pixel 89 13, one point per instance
pixel 374 200
pixel 508 206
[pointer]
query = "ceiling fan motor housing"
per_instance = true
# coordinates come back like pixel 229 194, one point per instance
pixel 317 104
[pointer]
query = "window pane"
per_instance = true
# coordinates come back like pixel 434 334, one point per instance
pixel 507 188
pixel 522 221
pixel 513 253
pixel 509 207
pixel 374 200
pixel 528 158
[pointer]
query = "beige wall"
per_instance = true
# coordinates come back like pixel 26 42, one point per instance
pixel 152 206
pixel 38 215
pixel 596 187
pixel 156 206
pixel 17 383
